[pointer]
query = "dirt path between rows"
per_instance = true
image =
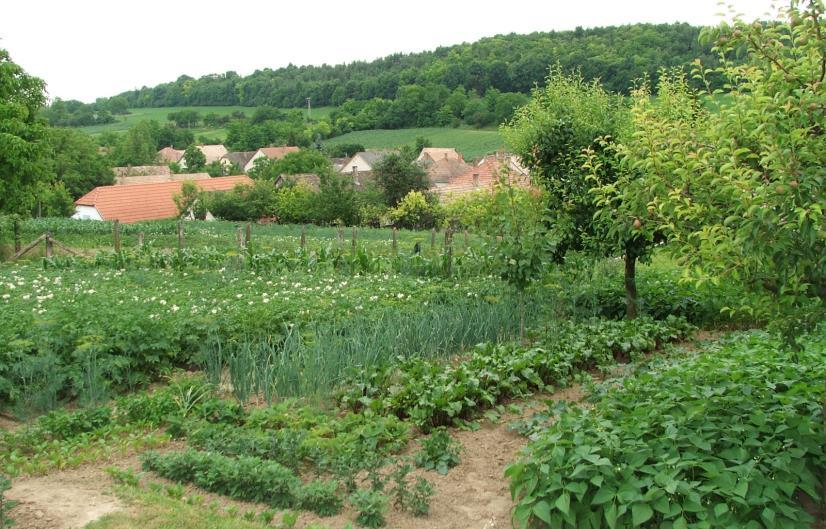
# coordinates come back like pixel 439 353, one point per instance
pixel 473 495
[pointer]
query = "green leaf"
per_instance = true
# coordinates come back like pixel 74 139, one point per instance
pixel 611 515
pixel 641 513
pixel 741 488
pixel 603 495
pixel 563 503
pixel 542 510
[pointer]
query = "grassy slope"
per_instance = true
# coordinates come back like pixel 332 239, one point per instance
pixel 472 143
pixel 159 114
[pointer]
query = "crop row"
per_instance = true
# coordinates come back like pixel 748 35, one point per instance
pixel 246 478
pixel 434 393
pixel 730 438
pixel 79 333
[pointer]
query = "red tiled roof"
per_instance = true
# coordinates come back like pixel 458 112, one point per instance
pixel 139 202
pixel 277 152
pixel 483 176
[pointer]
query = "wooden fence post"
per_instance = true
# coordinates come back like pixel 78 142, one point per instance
pixel 395 246
pixel 355 234
pixel 116 235
pixel 467 240
pixel 248 235
pixel 303 236
pixel 239 237
pixel 140 239
pixel 180 235
pixel 448 251
pixel 49 246
pixel 340 237
pixel 433 239
pixel 17 241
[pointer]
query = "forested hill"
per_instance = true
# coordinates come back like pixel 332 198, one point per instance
pixel 509 63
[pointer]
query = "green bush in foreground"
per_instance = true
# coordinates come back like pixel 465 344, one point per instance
pixel 243 478
pixel 730 438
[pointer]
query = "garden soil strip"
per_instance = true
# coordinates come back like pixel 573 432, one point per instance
pixel 63 500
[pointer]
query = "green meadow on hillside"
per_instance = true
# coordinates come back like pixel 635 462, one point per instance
pixel 136 115
pixel 472 143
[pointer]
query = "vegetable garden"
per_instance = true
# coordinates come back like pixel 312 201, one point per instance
pixel 639 344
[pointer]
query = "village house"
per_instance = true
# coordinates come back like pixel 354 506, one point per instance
pixel 142 202
pixel 484 176
pixel 363 162
pixel 442 164
pixel 169 155
pixel 212 153
pixel 240 159
pixel 432 154
pixel 271 153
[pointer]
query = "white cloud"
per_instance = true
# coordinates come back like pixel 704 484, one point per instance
pixel 94 48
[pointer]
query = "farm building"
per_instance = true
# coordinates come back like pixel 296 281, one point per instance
pixel 140 202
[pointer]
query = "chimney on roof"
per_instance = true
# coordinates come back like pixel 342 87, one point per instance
pixel 475 179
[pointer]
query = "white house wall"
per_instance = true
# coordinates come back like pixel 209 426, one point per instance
pixel 86 213
pixel 359 163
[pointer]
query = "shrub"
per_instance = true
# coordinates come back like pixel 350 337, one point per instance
pixel 416 211
pixel 371 507
pixel 321 497
pixel 439 452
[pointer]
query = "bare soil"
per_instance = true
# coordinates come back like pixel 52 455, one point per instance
pixel 63 500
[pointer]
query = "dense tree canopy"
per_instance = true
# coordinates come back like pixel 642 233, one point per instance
pixel 77 162
pixel 737 180
pixel 24 160
pixel 508 63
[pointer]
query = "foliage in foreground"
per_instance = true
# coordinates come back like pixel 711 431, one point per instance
pixel 730 438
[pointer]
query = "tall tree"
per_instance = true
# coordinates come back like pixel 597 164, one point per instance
pixel 398 175
pixel 76 161
pixel 23 137
pixel 740 188
pixel 194 158
pixel 566 118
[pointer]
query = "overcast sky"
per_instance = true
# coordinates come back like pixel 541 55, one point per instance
pixel 86 49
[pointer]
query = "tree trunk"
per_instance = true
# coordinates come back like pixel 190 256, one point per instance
pixel 630 282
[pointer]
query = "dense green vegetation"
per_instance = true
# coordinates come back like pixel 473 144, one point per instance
pixel 509 63
pixel 728 438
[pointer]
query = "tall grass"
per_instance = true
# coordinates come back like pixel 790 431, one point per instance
pixel 312 361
